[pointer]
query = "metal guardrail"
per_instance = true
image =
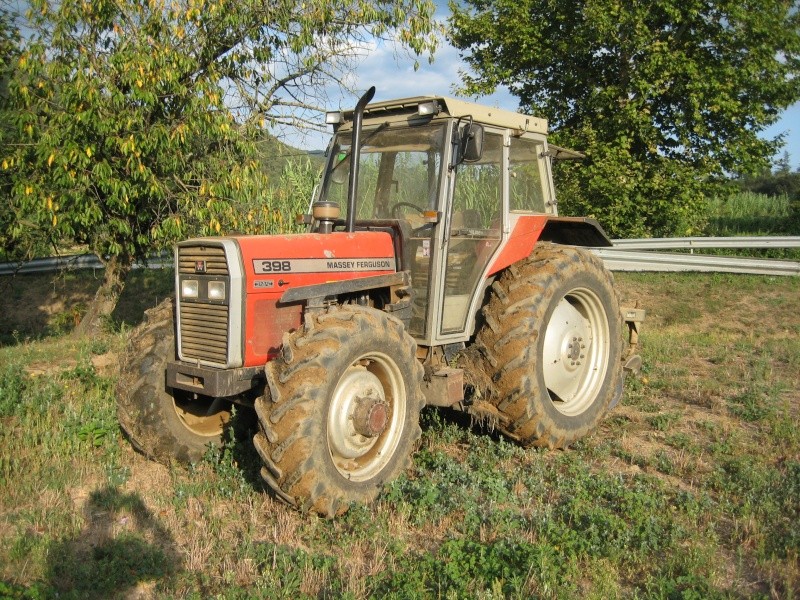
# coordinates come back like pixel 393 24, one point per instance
pixel 626 255
pixel 630 260
pixel 48 265
pixel 708 242
pixel 74 261
pixel 637 255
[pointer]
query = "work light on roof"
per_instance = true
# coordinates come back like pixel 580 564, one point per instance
pixel 428 108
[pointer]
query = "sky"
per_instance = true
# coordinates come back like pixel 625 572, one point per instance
pixel 394 76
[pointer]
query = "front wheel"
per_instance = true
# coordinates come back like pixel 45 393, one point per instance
pixel 342 415
pixel 163 423
pixel 552 341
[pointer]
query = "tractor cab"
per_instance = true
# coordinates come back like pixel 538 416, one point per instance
pixel 468 186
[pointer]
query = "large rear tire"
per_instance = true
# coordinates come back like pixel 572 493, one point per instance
pixel 162 423
pixel 552 344
pixel 342 415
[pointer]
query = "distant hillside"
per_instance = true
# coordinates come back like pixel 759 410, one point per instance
pixel 275 154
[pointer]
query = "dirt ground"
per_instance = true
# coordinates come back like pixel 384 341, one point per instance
pixel 41 305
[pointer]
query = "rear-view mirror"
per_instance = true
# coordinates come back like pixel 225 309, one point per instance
pixel 472 142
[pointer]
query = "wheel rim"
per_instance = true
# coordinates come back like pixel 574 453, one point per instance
pixel 373 380
pixel 205 417
pixel 576 351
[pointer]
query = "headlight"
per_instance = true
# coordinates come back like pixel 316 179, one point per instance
pixel 216 290
pixel 189 288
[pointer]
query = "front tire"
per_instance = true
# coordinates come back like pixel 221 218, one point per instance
pixel 162 423
pixel 552 345
pixel 342 415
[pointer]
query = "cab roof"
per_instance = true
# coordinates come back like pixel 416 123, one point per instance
pixel 457 108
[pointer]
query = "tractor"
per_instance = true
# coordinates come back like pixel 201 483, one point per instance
pixel 434 270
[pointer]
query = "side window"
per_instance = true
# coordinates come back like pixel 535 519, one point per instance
pixel 477 199
pixel 525 177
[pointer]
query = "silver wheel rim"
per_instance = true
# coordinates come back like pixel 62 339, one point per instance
pixel 374 376
pixel 206 418
pixel 576 351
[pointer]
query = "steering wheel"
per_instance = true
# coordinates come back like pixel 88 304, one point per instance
pixel 395 211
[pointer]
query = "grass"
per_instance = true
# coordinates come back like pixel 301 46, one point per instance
pixel 689 489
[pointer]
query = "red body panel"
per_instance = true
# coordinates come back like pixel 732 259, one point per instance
pixel 523 238
pixel 276 263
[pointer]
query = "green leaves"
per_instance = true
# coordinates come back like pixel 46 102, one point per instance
pixel 128 124
pixel 664 97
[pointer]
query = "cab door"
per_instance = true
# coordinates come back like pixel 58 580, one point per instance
pixel 474 230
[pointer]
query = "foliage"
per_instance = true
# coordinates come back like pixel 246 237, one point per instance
pixel 663 97
pixel 27 241
pixel 137 122
pixel 779 183
pixel 750 213
pixel 778 193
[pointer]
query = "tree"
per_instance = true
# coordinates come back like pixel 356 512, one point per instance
pixel 19 242
pixel 664 97
pixel 784 164
pixel 138 119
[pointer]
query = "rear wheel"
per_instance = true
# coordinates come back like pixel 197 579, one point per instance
pixel 163 423
pixel 552 344
pixel 343 412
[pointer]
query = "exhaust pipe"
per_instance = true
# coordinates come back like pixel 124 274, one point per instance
pixel 355 158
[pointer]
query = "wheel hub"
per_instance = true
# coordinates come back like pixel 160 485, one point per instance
pixel 370 417
pixel 351 429
pixel 365 416
pixel 574 346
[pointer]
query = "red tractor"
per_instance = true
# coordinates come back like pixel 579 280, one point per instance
pixel 435 271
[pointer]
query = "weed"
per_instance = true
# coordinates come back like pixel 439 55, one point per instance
pixel 664 421
pixel 13 384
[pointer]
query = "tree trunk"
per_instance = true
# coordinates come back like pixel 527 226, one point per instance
pixel 105 299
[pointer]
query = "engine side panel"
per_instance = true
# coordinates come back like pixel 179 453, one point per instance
pixel 275 264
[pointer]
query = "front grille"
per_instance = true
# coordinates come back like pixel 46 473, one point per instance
pixel 213 257
pixel 204 332
pixel 204 326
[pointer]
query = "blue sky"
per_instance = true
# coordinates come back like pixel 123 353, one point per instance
pixel 394 76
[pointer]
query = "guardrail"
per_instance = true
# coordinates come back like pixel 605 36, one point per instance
pixel 638 255
pixel 708 242
pixel 75 261
pixel 626 255
pixel 654 262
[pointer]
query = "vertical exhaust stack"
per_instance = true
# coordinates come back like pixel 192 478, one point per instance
pixel 355 158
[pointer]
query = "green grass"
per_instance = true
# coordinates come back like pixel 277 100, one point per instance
pixel 687 490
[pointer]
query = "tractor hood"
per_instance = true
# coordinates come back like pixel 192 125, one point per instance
pixel 278 262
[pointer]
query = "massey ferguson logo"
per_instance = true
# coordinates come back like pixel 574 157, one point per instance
pixel 199 266
pixel 322 265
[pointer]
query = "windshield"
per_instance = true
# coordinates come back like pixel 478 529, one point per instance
pixel 398 175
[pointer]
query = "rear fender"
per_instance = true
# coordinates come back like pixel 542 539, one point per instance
pixel 527 230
